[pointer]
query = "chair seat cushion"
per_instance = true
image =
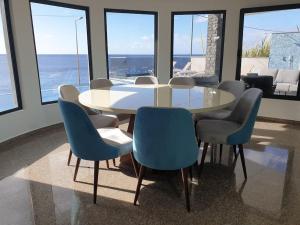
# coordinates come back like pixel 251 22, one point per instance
pixel 100 121
pixel 117 138
pixel 216 131
pixel 217 115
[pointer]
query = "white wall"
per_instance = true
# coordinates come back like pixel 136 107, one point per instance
pixel 34 115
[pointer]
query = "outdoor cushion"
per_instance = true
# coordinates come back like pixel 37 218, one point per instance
pixel 268 72
pixel 282 87
pixel 293 88
pixel 287 76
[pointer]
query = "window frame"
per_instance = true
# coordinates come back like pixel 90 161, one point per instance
pixel 88 31
pixel 243 12
pixel 13 58
pixel 175 13
pixel 153 13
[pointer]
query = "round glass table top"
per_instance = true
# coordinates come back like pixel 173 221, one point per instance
pixel 128 98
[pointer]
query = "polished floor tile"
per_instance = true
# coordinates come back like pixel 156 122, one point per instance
pixel 36 185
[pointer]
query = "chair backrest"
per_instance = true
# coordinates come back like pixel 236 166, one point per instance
pixel 235 87
pixel 245 113
pixel 146 80
pixel 164 139
pixel 69 93
pixel 182 81
pixel 83 137
pixel 100 83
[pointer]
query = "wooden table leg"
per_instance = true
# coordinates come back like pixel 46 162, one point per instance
pixel 131 124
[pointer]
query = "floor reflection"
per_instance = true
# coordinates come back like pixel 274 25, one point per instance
pixel 36 187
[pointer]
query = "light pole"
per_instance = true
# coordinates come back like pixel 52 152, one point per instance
pixel 77 52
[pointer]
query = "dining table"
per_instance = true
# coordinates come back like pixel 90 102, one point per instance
pixel 127 99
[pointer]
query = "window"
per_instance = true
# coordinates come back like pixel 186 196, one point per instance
pixel 269 50
pixel 10 99
pixel 197 44
pixel 62 41
pixel 130 44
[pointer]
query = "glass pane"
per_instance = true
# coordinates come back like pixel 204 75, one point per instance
pixel 130 44
pixel 271 51
pixel 197 45
pixel 8 98
pixel 62 48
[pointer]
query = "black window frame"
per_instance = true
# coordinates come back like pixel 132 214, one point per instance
pixel 13 60
pixel 176 13
pixel 142 12
pixel 244 11
pixel 88 30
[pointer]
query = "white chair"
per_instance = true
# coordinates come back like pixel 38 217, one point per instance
pixel 70 93
pixel 189 81
pixel 146 80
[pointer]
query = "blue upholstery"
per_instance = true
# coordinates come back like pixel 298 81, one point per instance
pixel 164 139
pixel 85 141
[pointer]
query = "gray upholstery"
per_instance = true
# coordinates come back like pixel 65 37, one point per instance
pixel 146 80
pixel 100 83
pixel 70 93
pixel 182 81
pixel 216 131
pixel 234 87
pixel 237 127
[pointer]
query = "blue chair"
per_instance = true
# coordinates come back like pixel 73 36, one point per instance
pixel 234 130
pixel 164 139
pixel 89 143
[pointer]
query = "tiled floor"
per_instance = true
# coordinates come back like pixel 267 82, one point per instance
pixel 36 186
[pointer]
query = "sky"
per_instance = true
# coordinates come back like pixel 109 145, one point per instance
pixel 268 23
pixel 183 34
pixel 54 29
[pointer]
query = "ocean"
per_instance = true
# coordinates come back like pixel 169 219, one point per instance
pixel 55 70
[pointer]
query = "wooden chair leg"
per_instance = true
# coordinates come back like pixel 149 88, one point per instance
pixel 199 143
pixel 76 169
pixel 184 173
pixel 96 173
pixel 107 164
pixel 234 150
pixel 212 153
pixel 191 172
pixel 221 151
pixel 241 151
pixel 203 158
pixel 114 162
pixel 69 157
pixel 138 187
pixel 135 166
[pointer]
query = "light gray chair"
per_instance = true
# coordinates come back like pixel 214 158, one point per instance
pixel 100 83
pixel 70 93
pixel 234 130
pixel 182 81
pixel 146 80
pixel 105 83
pixel 236 88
